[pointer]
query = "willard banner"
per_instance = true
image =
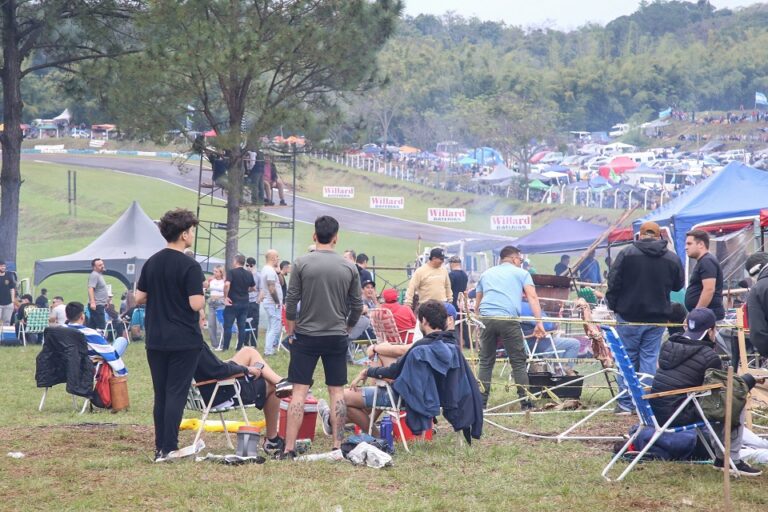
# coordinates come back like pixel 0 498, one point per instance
pixel 338 192
pixel 446 214
pixel 388 203
pixel 510 222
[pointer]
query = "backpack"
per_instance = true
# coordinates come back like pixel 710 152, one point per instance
pixel 102 395
pixel 713 405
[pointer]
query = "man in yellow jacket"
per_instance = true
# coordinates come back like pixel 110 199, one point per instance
pixel 430 281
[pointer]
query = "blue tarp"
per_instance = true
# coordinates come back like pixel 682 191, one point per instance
pixel 561 236
pixel 737 191
pixel 486 156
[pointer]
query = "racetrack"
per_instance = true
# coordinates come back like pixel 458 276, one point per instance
pixel 307 210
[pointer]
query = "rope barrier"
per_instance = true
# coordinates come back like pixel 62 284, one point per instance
pixel 579 321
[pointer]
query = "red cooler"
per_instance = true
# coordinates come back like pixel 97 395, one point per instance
pixel 409 436
pixel 307 430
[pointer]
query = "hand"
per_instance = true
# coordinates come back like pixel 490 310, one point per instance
pixel 92 304
pixel 256 372
pixel 362 376
pixel 539 331
pixel 369 352
pixel 227 301
pixel 760 380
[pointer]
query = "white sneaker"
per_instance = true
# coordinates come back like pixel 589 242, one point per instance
pixel 325 415
pixel 187 451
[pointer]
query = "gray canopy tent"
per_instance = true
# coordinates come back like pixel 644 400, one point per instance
pixel 125 246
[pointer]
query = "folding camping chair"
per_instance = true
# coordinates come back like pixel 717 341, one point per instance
pixel 394 410
pixel 385 328
pixel 645 413
pixel 220 320
pixel 196 403
pixel 36 322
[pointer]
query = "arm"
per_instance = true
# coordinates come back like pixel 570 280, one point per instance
pixel 272 290
pixel 615 282
pixel 388 350
pixel 478 300
pixel 533 300
pixel 140 297
pixel 386 372
pixel 227 300
pixel 448 290
pixel 91 297
pixel 411 288
pixel 707 292
pixel 292 299
pixel 197 302
pixel 354 297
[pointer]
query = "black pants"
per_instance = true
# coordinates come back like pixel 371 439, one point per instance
pixel 239 312
pixel 253 314
pixel 97 320
pixel 172 374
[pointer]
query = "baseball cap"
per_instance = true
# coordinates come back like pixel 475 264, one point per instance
pixel 698 322
pixel 437 252
pixel 389 295
pixel 650 227
pixel 450 310
pixel 367 282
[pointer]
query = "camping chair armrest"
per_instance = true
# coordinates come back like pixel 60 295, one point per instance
pixel 214 381
pixel 672 392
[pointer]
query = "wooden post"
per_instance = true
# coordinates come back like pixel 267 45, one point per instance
pixel 727 439
pixel 743 365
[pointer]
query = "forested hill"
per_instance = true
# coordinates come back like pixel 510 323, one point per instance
pixel 683 54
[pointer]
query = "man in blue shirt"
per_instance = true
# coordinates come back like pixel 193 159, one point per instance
pixel 499 294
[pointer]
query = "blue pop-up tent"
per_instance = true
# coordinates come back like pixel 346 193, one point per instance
pixel 561 236
pixel 737 192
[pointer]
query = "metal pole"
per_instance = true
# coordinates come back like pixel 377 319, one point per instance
pixel 293 207
pixel 74 192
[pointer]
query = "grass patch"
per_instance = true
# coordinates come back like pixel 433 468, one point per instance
pixel 77 462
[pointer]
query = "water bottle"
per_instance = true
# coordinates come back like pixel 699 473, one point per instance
pixel 385 432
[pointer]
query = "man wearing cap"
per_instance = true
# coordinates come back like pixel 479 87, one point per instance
pixel 757 302
pixel 405 319
pixel 683 362
pixel 430 281
pixel 639 285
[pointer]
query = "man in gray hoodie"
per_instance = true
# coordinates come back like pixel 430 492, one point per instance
pixel 639 285
pixel 328 287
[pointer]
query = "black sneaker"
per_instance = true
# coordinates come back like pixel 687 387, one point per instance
pixel 274 446
pixel 283 203
pixel 286 455
pixel 283 389
pixel 159 456
pixel 526 405
pixel 742 468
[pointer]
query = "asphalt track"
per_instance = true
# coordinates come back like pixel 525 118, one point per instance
pixel 307 210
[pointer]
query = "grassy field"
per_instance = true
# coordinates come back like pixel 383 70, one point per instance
pixel 418 198
pixel 47 230
pixel 78 462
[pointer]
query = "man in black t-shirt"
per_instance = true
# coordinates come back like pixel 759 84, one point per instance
pixel 171 286
pixel 458 278
pixel 705 286
pixel 239 283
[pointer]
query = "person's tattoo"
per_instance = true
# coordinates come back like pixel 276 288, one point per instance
pixel 341 419
pixel 297 410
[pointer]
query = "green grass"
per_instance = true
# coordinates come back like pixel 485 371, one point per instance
pixel 78 462
pixel 418 198
pixel 47 230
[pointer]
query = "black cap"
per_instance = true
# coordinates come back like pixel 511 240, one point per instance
pixel 698 322
pixel 367 282
pixel 437 252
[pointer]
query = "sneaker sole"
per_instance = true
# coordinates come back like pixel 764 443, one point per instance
pixel 737 472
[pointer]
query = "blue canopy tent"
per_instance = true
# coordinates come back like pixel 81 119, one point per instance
pixel 561 236
pixel 486 156
pixel 737 192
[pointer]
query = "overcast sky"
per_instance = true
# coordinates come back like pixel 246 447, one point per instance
pixel 563 14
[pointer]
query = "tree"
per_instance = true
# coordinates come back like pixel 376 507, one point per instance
pixel 247 64
pixel 512 124
pixel 41 35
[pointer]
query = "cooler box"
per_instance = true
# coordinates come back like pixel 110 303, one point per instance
pixel 307 430
pixel 539 380
pixel 8 337
pixel 409 436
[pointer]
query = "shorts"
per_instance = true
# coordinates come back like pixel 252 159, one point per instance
pixel 306 350
pixel 6 312
pixel 382 398
pixel 253 391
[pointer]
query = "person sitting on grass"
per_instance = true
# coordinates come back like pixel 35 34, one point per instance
pixel 683 362
pixel 391 359
pixel 97 346
pixel 259 386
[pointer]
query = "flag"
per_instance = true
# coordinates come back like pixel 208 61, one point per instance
pixel 665 113
pixel 760 99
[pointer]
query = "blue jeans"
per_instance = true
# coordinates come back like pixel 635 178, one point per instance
pixel 234 312
pixel 567 348
pixel 642 343
pixel 274 326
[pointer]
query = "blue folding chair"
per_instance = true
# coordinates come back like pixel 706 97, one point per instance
pixel 637 391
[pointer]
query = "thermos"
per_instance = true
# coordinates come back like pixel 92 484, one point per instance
pixel 385 432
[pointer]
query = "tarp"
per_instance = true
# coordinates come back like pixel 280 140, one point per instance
pixel 409 150
pixel 618 165
pixel 538 185
pixel 737 192
pixel 64 116
pixel 500 173
pixel 486 156
pixel 561 236
pixel 125 246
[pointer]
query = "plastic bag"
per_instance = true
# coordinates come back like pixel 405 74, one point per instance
pixel 369 455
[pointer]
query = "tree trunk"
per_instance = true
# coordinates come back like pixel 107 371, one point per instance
pixel 10 175
pixel 235 181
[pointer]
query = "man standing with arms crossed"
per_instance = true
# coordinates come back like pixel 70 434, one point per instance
pixel 328 287
pixel 499 294
pixel 171 285
pixel 97 295
pixel 273 301
pixel 639 283
pixel 7 295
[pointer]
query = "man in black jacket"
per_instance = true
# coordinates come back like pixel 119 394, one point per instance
pixel 259 386
pixel 639 284
pixel 757 302
pixel 683 361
